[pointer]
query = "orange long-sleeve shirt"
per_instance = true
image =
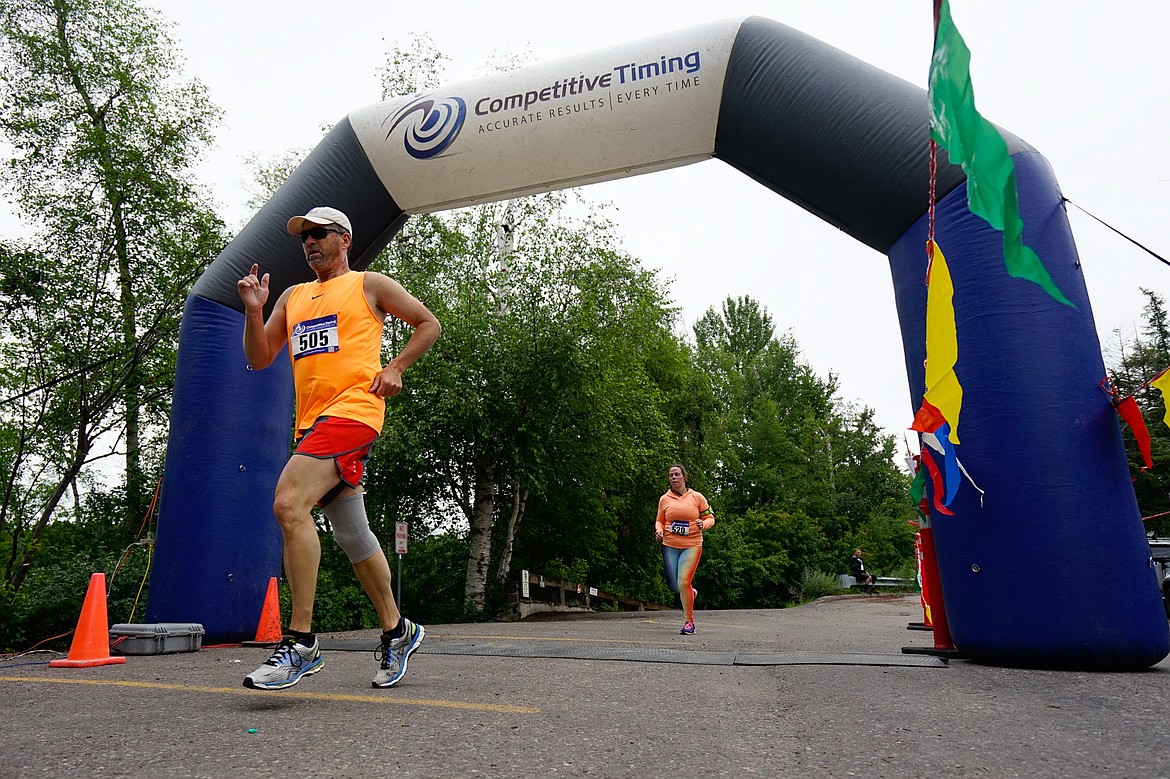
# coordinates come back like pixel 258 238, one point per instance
pixel 681 518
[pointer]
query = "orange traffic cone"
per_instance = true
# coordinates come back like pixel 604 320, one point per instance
pixel 91 640
pixel 268 631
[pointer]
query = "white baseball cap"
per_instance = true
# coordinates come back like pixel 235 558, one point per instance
pixel 321 215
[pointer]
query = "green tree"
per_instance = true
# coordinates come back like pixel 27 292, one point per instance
pixel 799 474
pixel 1132 366
pixel 104 137
pixel 415 67
pixel 775 414
pixel 536 403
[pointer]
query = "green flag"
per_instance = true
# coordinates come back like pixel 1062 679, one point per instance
pixel 918 488
pixel 974 143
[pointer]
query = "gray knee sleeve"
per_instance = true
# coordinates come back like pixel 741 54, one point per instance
pixel 351 529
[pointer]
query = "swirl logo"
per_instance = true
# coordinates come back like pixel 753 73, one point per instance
pixel 433 127
pixel 298 328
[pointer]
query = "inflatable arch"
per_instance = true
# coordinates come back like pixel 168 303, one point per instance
pixel 1050 570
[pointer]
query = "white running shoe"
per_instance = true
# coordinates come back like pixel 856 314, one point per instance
pixel 287 665
pixel 394 653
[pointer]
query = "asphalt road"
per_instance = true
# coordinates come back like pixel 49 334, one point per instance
pixel 821 690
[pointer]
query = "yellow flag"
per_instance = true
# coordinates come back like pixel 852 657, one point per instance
pixel 1162 382
pixel 943 390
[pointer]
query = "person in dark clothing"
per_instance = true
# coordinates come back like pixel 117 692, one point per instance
pixel 866 579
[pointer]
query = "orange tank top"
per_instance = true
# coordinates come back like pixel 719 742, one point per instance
pixel 335 345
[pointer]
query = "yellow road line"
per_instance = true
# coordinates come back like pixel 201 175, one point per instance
pixel 450 636
pixel 433 636
pixel 309 696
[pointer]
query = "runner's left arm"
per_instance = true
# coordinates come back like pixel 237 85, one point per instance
pixel 389 298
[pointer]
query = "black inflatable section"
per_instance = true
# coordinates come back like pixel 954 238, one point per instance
pixel 335 173
pixel 835 135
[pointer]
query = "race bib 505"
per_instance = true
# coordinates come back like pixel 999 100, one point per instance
pixel 314 336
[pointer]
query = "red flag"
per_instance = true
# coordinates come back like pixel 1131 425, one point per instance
pixel 937 480
pixel 928 419
pixel 1127 409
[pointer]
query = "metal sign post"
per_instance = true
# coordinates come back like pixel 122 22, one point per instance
pixel 401 531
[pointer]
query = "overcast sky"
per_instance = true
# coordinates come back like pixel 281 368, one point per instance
pixel 1084 83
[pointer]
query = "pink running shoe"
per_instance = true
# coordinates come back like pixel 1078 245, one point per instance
pixel 688 628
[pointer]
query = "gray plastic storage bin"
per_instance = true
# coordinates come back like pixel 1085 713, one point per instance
pixel 155 639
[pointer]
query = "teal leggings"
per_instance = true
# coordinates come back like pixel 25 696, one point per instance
pixel 678 566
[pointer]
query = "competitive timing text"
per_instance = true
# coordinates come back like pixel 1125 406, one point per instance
pixel 576 85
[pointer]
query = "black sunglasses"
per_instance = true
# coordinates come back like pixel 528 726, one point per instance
pixel 317 233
